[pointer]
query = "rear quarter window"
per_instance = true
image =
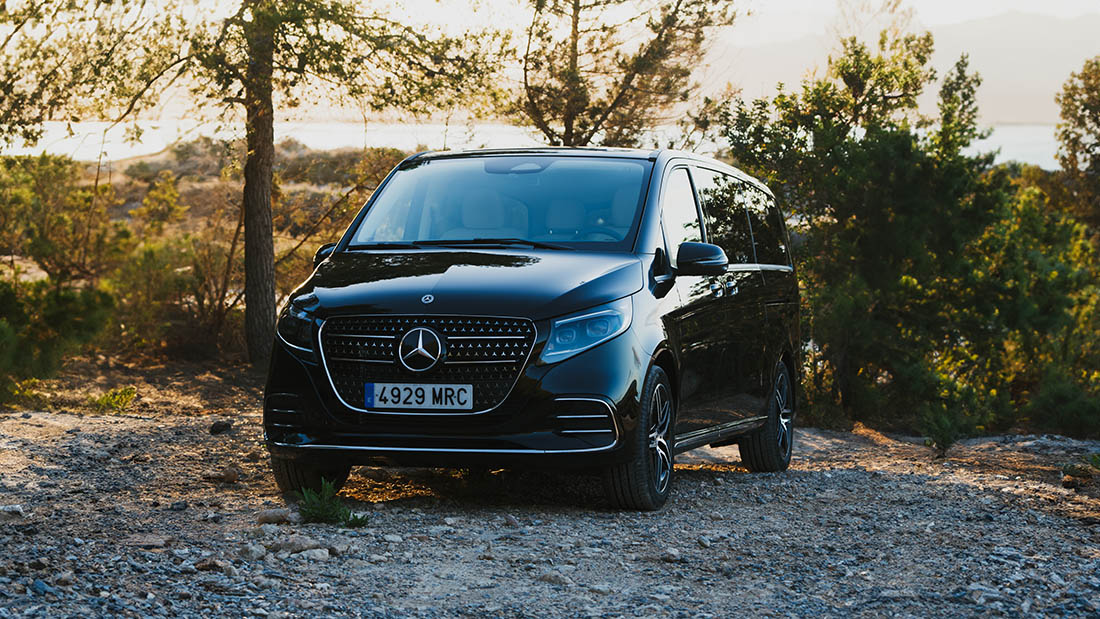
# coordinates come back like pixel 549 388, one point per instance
pixel 769 238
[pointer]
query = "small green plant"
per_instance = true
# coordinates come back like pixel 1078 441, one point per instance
pixel 326 507
pixel 354 521
pixel 942 428
pixel 115 400
pixel 26 393
pixel 1094 460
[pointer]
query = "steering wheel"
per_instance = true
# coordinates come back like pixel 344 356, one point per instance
pixel 604 230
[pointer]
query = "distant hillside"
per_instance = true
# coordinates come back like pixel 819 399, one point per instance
pixel 1023 60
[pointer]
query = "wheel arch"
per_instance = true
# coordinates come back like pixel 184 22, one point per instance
pixel 787 358
pixel 664 358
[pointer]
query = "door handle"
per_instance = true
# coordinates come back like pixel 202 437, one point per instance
pixel 731 287
pixel 716 289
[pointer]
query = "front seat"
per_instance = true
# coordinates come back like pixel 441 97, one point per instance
pixel 564 220
pixel 484 217
pixel 623 207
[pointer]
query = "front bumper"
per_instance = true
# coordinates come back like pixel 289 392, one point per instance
pixel 572 413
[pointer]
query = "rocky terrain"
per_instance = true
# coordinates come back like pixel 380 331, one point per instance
pixel 146 512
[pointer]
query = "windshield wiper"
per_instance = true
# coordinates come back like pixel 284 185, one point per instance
pixel 500 241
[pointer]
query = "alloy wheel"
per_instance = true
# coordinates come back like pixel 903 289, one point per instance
pixel 782 397
pixel 660 430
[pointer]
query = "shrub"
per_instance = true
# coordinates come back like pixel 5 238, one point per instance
pixel 26 393
pixel 151 289
pixel 42 322
pixel 1061 405
pixel 115 400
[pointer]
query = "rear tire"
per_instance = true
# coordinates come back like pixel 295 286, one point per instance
pixel 768 449
pixel 293 476
pixel 645 482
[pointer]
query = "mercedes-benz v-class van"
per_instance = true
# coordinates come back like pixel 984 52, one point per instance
pixel 588 308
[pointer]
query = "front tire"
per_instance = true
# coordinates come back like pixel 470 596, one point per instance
pixel 293 476
pixel 769 448
pixel 645 482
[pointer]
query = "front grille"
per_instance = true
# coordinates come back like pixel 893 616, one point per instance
pixel 487 352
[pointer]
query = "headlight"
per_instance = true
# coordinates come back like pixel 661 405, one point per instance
pixel 579 332
pixel 296 327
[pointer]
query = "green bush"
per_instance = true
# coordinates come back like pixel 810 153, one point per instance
pixel 115 400
pixel 151 288
pixel 1062 406
pixel 40 323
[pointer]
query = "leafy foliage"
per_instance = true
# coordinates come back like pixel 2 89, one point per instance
pixel 114 400
pixel 58 221
pixel 326 507
pixel 160 206
pixel 40 323
pixel 585 82
pixel 60 59
pixel 936 289
pixel 1079 135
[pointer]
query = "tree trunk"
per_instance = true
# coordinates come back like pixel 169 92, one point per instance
pixel 574 88
pixel 259 247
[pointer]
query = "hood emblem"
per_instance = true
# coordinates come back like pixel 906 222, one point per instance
pixel 427 299
pixel 420 349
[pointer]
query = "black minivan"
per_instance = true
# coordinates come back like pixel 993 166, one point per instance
pixel 590 308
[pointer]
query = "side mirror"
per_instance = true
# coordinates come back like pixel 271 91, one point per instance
pixel 323 252
pixel 700 259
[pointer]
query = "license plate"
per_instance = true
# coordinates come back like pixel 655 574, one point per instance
pixel 425 397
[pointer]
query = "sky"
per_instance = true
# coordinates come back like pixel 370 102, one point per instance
pixel 769 21
pixel 777 20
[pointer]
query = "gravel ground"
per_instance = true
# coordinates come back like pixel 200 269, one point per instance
pixel 120 516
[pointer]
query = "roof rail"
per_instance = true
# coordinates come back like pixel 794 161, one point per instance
pixel 413 157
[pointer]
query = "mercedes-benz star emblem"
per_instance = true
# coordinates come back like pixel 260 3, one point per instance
pixel 426 299
pixel 420 349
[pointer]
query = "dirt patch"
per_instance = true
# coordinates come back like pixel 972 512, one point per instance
pixel 120 518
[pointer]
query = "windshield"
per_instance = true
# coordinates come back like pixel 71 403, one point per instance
pixel 545 200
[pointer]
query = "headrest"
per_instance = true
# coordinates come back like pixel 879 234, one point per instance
pixel 482 210
pixel 623 206
pixel 565 215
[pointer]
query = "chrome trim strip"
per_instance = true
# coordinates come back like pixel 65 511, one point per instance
pixel 448 449
pixel 381 337
pixel 354 360
pixel 340 398
pixel 706 435
pixel 585 431
pixel 285 411
pixel 742 268
pixel 580 416
pixel 485 337
pixel 735 268
pixel 477 362
pixel 610 411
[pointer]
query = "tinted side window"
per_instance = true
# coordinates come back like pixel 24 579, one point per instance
pixel 678 210
pixel 724 208
pixel 767 228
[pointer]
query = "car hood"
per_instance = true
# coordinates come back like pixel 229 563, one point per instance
pixel 535 284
